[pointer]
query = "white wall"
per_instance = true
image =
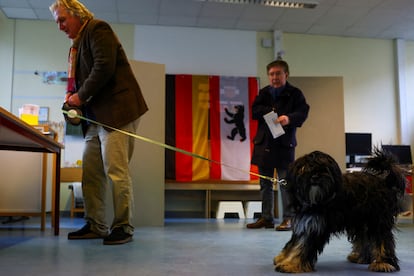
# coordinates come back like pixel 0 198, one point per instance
pixel 198 51
pixel 367 67
pixel 6 58
pixel 410 89
pixel 39 46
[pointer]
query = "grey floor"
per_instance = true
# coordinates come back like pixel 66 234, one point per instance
pixel 182 247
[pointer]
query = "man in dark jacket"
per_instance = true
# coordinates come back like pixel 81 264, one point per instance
pixel 269 153
pixel 101 83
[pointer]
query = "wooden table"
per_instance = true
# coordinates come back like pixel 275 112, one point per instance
pixel 16 135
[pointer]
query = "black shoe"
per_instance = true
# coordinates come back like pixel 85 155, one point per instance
pixel 260 223
pixel 84 233
pixel 117 236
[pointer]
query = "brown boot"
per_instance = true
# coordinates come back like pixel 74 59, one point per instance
pixel 286 225
pixel 260 223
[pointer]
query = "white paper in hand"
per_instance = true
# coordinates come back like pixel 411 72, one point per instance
pixel 275 128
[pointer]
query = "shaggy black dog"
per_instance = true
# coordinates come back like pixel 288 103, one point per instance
pixel 363 205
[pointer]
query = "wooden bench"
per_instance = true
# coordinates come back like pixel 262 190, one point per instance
pixel 213 191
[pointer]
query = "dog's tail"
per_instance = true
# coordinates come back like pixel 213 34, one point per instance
pixel 384 165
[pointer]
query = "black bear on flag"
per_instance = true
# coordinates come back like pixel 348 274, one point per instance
pixel 237 118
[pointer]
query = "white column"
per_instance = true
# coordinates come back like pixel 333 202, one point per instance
pixel 400 57
pixel 278 43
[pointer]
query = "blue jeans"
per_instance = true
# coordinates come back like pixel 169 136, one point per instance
pixel 267 194
pixel 105 166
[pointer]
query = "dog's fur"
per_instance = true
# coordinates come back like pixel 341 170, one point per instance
pixel 363 205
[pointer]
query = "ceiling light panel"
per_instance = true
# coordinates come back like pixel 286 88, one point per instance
pixel 297 4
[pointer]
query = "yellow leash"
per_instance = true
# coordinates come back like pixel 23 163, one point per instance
pixel 76 115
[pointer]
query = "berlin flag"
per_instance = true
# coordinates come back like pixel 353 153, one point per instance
pixel 232 128
pixel 210 116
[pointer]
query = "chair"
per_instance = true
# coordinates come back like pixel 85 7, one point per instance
pixel 230 207
pixel 253 208
pixel 77 205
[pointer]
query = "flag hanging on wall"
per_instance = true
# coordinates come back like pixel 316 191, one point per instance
pixel 210 116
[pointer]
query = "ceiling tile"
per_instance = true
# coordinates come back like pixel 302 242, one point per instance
pixel 386 19
pixel 40 4
pixel 177 21
pixel 101 5
pixel 291 27
pixel 43 14
pixel 358 3
pixel 141 6
pixel 20 13
pixel 259 25
pixel 221 10
pixel 138 19
pixel 303 16
pixel 106 16
pixel 180 8
pixel 379 19
pixel 327 29
pixel 14 3
pixel 396 5
pixel 358 31
pixel 215 22
pixel 260 13
pixel 341 16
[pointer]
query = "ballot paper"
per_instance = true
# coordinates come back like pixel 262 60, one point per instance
pixel 29 113
pixel 275 128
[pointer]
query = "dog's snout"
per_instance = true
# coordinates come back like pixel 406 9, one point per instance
pixel 314 179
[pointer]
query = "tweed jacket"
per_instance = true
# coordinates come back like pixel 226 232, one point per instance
pixel 104 79
pixel 279 152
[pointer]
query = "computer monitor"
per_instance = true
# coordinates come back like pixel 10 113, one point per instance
pixel 358 143
pixel 401 152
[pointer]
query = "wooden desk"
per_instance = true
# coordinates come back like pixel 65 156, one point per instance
pixel 16 135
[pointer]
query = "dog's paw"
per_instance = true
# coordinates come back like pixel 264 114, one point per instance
pixel 279 258
pixel 291 268
pixel 355 257
pixel 382 267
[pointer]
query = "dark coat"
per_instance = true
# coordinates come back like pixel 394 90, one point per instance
pixel 104 78
pixel 279 152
